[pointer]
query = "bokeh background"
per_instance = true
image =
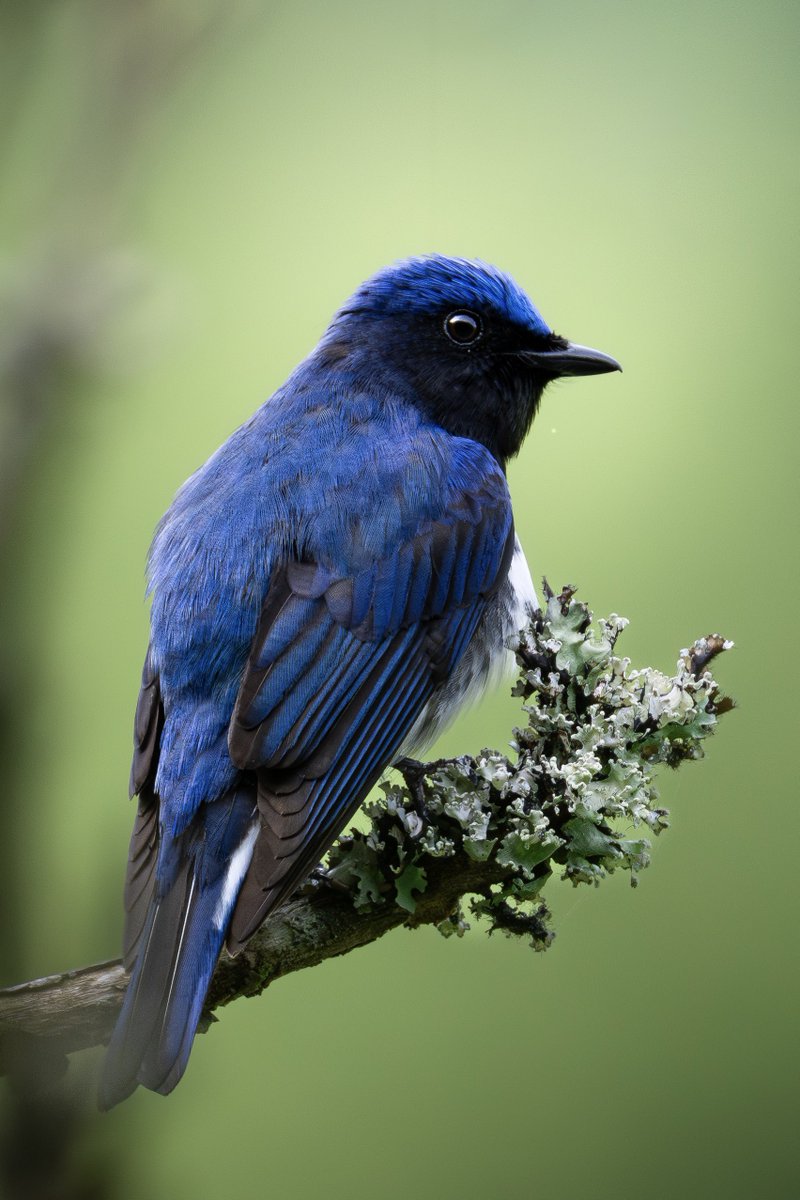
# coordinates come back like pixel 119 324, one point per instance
pixel 188 190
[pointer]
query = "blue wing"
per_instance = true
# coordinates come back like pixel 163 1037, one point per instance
pixel 339 672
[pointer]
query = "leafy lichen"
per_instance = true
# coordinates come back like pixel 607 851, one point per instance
pixel 580 782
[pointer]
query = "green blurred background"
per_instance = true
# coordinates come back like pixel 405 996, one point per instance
pixel 188 191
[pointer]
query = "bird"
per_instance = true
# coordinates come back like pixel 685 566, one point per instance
pixel 327 591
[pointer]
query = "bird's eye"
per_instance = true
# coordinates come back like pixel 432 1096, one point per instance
pixel 463 328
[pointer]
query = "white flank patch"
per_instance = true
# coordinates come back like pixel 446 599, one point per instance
pixel 487 660
pixel 520 604
pixel 519 577
pixel 237 867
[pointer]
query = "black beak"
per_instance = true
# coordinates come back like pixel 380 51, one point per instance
pixel 570 359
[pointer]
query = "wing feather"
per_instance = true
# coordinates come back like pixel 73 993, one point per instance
pixel 393 632
pixel 143 850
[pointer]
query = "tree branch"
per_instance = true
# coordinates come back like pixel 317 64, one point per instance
pixel 77 1009
pixel 484 827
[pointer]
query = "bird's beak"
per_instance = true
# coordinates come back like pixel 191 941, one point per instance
pixel 571 359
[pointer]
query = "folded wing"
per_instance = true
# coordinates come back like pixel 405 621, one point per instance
pixel 340 670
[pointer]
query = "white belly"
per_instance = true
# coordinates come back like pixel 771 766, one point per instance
pixel 487 660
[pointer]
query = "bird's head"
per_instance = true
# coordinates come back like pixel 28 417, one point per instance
pixel 463 341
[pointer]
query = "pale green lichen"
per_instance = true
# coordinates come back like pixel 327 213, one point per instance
pixel 582 778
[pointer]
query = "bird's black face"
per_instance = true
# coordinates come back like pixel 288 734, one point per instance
pixel 465 344
pixel 481 375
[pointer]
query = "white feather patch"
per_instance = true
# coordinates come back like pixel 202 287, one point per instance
pixel 522 589
pixel 487 660
pixel 240 861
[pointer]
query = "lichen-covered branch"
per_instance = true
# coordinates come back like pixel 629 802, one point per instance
pixel 491 828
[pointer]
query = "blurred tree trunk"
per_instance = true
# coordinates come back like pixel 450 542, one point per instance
pixel 60 290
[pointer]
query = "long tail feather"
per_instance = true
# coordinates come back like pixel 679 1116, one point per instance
pixel 177 951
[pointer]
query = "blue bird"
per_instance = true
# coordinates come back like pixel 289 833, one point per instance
pixel 327 591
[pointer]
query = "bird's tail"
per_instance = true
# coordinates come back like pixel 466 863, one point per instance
pixel 198 878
